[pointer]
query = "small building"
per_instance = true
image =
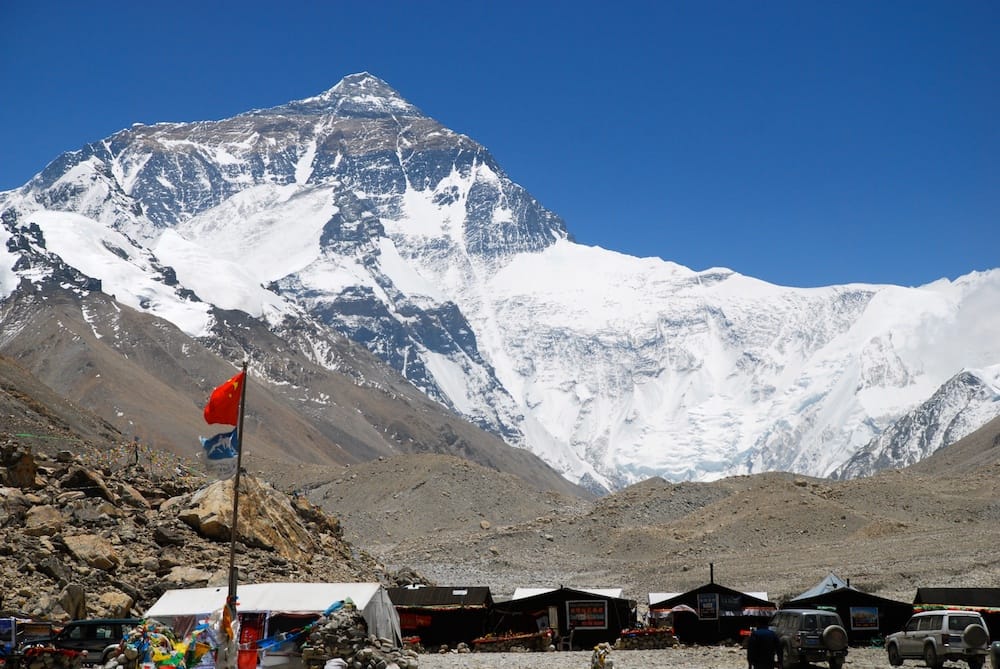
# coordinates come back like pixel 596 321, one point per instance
pixel 711 613
pixel 442 616
pixel 579 619
pixel 865 616
pixel 984 600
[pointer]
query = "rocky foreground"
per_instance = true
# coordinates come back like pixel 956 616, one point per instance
pixel 81 539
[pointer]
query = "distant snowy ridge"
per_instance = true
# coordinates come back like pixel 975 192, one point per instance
pixel 962 405
pixel 353 209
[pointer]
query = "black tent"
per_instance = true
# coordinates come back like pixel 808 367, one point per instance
pixel 712 613
pixel 984 600
pixel 442 615
pixel 865 616
pixel 580 619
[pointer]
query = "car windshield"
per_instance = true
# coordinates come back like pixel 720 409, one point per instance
pixel 959 623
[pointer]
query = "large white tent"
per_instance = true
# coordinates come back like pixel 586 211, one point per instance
pixel 371 599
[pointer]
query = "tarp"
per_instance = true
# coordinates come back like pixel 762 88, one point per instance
pixel 828 584
pixel 371 599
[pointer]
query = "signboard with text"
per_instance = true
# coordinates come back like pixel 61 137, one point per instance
pixel 587 614
pixel 708 605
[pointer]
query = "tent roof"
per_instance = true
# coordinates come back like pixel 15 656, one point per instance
pixel 984 597
pixel 845 596
pixel 657 597
pixel 831 582
pixel 672 598
pixel 283 597
pixel 524 593
pixel 426 596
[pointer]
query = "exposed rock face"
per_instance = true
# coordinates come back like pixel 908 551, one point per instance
pixel 266 518
pixel 81 541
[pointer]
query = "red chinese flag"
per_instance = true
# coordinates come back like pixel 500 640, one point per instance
pixel 224 404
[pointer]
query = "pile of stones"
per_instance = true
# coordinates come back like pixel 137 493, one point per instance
pixel 83 538
pixel 342 640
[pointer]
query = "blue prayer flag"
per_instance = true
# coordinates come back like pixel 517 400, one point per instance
pixel 220 453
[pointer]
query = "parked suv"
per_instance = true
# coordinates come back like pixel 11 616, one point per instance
pixel 937 636
pixel 810 635
pixel 99 637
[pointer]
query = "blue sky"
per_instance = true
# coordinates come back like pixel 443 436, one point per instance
pixel 805 143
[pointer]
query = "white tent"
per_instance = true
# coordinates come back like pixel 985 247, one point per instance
pixel 371 599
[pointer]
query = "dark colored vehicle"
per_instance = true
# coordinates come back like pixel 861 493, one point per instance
pixel 810 635
pixel 99 637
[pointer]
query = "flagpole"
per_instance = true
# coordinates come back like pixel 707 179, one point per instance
pixel 233 574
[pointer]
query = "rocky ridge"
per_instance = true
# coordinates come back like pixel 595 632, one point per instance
pixel 82 539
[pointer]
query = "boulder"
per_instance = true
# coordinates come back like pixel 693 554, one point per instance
pixel 73 600
pixel 88 482
pixel 21 468
pixel 93 550
pixel 115 604
pixel 266 518
pixel 43 521
pixel 187 577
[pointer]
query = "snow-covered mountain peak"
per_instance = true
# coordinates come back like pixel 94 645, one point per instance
pixel 353 211
pixel 357 95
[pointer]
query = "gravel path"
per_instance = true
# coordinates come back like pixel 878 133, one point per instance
pixel 692 657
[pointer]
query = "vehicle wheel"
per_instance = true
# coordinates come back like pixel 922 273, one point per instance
pixel 976 662
pixel 835 637
pixel 836 662
pixel 975 636
pixel 931 658
pixel 894 658
pixel 788 660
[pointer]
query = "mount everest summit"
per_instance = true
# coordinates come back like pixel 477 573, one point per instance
pixel 355 212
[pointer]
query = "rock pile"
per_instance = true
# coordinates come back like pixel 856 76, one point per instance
pixel 80 539
pixel 344 636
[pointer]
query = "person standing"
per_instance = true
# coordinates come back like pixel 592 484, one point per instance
pixel 763 649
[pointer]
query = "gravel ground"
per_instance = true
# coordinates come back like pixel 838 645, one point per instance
pixel 691 657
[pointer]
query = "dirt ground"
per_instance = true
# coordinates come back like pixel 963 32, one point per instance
pixel 458 523
pixel 694 657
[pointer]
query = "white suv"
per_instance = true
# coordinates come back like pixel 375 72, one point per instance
pixel 936 636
